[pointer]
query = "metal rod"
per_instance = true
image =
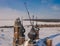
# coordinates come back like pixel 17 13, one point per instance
pixel 28 13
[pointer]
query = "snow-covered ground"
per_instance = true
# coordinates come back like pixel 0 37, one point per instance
pixel 6 37
pixel 53 33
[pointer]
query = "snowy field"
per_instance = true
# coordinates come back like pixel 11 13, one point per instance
pixel 6 37
pixel 53 33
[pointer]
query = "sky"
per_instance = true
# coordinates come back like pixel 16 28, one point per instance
pixel 43 9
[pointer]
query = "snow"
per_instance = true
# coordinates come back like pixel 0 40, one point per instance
pixel 53 33
pixel 6 37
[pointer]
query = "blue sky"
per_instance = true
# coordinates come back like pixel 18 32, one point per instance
pixel 41 8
